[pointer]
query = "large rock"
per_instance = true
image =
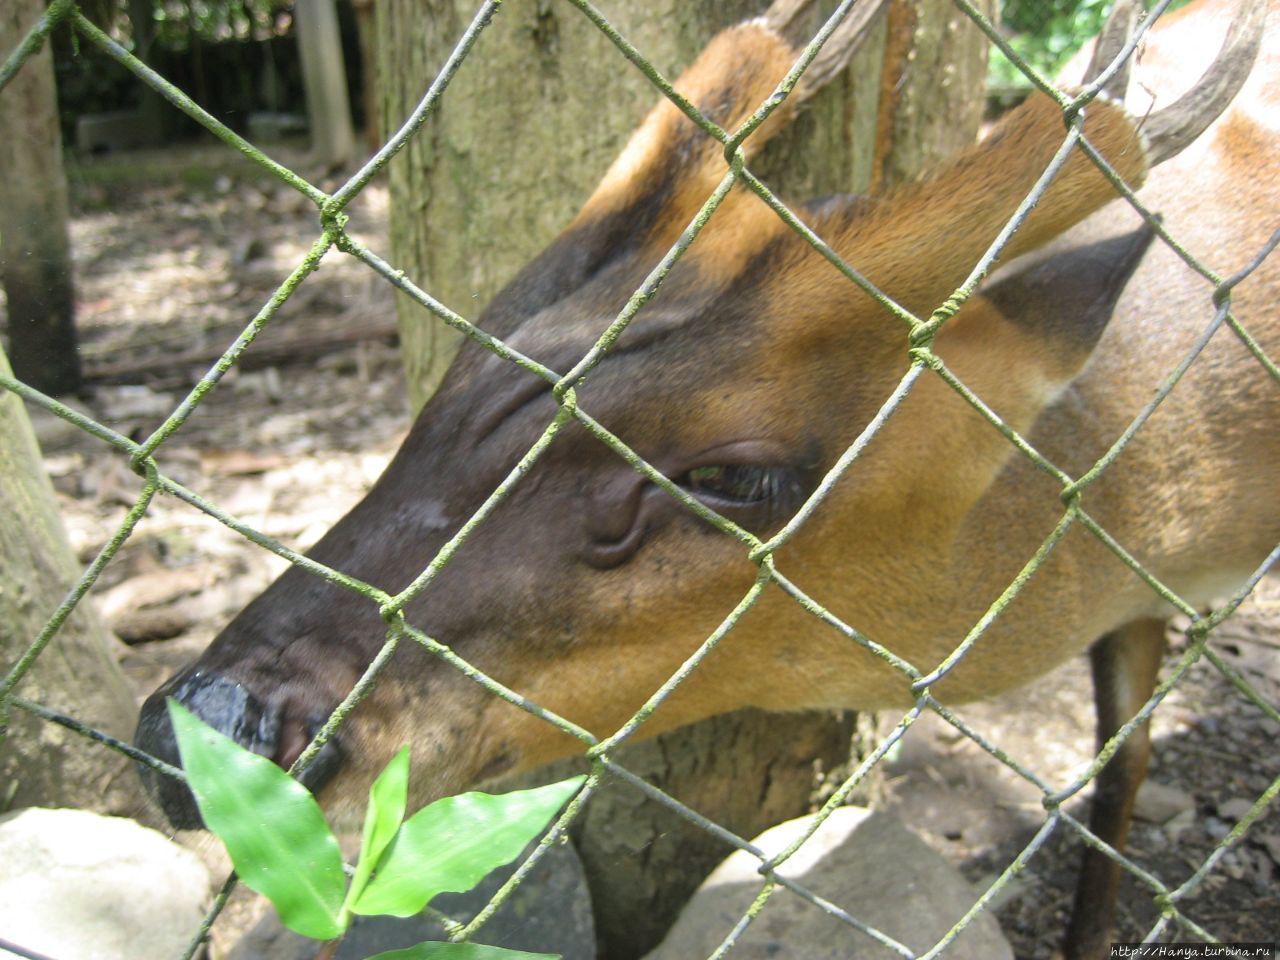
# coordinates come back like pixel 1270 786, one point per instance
pixel 79 886
pixel 866 863
pixel 550 912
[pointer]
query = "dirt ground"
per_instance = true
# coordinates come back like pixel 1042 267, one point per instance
pixel 175 253
pixel 1214 754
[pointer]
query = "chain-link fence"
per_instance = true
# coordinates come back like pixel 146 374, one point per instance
pixel 918 341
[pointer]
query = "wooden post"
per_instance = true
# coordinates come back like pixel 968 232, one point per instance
pixel 324 75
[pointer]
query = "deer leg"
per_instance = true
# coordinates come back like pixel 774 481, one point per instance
pixel 1125 664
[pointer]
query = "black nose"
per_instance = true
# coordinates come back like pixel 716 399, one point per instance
pixel 231 709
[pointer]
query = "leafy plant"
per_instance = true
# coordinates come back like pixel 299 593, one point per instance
pixel 282 847
pixel 1045 33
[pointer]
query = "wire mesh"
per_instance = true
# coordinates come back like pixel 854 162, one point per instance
pixel 925 363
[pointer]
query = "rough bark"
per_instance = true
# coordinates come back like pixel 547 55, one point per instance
pixel 324 75
pixel 35 249
pixel 523 134
pixel 932 90
pixel 42 764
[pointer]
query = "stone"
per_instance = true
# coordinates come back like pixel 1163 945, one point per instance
pixel 1159 803
pixel 132 402
pixel 54 433
pixel 79 886
pixel 98 133
pixel 1179 824
pixel 865 863
pixel 1234 809
pixel 550 912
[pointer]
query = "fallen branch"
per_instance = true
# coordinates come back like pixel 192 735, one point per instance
pixel 265 353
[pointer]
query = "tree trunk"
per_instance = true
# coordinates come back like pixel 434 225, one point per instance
pixel 152 108
pixel 526 129
pixel 369 84
pixel 324 74
pixel 933 87
pixel 42 764
pixel 35 249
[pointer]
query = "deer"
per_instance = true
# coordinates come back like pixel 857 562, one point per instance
pixel 742 386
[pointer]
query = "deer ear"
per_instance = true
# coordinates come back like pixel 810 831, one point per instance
pixel 1021 341
pixel 1066 298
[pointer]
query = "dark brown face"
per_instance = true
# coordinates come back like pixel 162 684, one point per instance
pixel 583 591
pixel 589 585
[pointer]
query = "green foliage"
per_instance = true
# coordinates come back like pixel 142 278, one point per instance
pixel 283 848
pixel 449 846
pixel 387 800
pixel 272 827
pixel 178 22
pixel 1045 34
pixel 175 24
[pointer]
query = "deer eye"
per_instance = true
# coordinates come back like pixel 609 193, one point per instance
pixel 737 484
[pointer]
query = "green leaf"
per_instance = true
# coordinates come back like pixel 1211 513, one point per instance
pixel 434 950
pixel 387 798
pixel 272 827
pixel 452 844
